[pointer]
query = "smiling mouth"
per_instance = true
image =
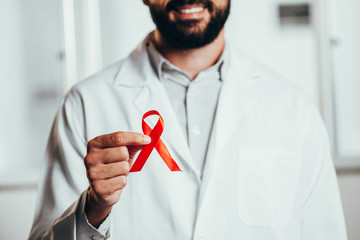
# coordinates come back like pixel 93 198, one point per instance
pixel 189 10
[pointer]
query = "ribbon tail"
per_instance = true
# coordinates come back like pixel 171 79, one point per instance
pixel 165 155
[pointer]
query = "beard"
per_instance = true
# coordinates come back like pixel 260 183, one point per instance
pixel 178 35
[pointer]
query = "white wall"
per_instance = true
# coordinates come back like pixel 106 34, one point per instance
pixel 124 24
pixel 31 78
pixel 12 104
pixel 12 120
pixel 290 50
pixel 17 207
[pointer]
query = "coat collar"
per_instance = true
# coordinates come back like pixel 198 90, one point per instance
pixel 134 70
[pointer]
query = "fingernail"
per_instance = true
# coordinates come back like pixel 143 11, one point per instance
pixel 147 139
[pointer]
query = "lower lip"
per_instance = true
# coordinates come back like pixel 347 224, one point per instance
pixel 189 16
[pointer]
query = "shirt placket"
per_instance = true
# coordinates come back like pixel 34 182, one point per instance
pixel 201 100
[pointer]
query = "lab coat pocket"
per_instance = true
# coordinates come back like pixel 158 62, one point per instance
pixel 268 179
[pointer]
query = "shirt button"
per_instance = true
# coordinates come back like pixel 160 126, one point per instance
pixel 196 130
pixel 191 91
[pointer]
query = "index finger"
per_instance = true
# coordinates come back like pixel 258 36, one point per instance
pixel 118 139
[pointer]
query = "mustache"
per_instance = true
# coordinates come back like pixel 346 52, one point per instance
pixel 173 4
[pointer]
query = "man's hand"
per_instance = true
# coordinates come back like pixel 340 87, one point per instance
pixel 108 162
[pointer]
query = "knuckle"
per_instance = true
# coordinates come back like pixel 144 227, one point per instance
pixel 126 167
pixel 97 186
pixel 91 144
pixel 124 153
pixel 118 137
pixel 89 160
pixel 93 173
pixel 122 181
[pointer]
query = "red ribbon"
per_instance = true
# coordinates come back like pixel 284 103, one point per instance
pixel 156 143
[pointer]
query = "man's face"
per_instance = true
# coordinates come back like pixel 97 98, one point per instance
pixel 189 24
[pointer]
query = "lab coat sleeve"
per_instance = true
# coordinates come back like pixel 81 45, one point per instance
pixel 84 230
pixel 322 213
pixel 63 180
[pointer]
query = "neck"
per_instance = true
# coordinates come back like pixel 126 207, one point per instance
pixel 192 61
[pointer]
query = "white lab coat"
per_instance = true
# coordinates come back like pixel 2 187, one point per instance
pixel 268 174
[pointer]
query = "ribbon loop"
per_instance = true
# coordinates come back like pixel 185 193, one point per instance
pixel 156 143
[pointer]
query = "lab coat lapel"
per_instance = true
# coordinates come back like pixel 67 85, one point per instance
pixel 237 90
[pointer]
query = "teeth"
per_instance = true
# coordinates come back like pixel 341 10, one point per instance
pixel 191 10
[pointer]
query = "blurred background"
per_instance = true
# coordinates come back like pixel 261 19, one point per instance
pixel 47 46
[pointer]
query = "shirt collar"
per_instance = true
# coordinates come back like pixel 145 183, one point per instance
pixel 161 64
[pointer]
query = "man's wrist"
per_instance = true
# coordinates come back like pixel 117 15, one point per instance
pixel 95 213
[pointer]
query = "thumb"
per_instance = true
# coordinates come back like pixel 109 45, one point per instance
pixel 133 150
